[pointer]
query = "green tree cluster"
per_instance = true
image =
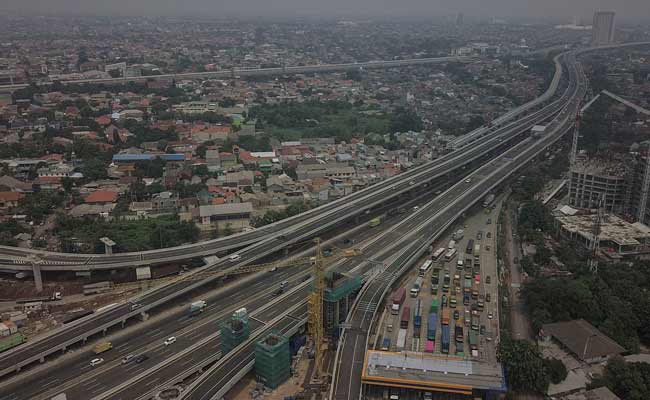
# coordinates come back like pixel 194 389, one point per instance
pixel 524 366
pixel 614 300
pixel 39 205
pixel 273 216
pixel 8 230
pixel 629 381
pixel 129 235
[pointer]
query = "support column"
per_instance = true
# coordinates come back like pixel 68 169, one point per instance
pixel 108 245
pixel 144 316
pixel 38 279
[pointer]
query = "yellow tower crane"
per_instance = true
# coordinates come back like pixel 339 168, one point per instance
pixel 316 310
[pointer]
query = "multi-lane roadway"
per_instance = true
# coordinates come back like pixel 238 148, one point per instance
pixel 297 229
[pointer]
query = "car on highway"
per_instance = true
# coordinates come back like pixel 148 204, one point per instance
pixel 96 361
pixel 479 235
pixel 135 306
pixel 411 183
pixel 468 180
pixel 487 247
pixel 489 221
pixel 434 288
pixel 490 315
pixel 234 257
pixel 482 331
pixel 487 279
pixel 456 314
pixel 273 269
pixel 170 340
pixel 487 297
pixel 489 234
pixel 141 358
pixel 127 359
pixel 415 208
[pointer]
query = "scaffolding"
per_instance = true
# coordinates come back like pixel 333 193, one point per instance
pixel 645 187
pixel 338 297
pixel 235 331
pixel 272 360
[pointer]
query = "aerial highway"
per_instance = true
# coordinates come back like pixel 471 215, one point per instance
pixel 352 347
pixel 237 72
pixel 314 220
pixel 22 259
pixel 328 216
pixel 74 376
pixel 397 251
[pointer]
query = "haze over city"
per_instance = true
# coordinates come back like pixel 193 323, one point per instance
pixel 287 9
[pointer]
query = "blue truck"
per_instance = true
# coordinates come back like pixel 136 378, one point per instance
pixel 445 339
pixel 432 323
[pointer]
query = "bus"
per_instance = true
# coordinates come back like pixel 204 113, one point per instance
pixel 450 255
pixel 470 246
pixel 437 254
pixel 425 267
pixel 429 346
pixel 406 317
pixel 477 250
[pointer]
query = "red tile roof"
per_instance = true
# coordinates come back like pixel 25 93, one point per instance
pixel 101 197
pixel 11 196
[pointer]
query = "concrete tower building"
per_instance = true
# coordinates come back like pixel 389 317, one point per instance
pixel 603 28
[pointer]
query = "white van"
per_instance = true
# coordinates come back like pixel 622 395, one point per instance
pixel 234 257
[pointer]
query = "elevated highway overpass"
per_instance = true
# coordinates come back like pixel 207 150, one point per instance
pixel 564 112
pixel 334 214
pixel 239 72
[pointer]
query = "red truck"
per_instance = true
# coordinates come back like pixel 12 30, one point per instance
pixel 398 299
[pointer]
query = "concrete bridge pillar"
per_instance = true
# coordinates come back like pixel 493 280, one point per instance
pixel 123 323
pixel 41 360
pixel 104 332
pixel 144 316
pixel 38 279
pixel 108 245
pixel 64 349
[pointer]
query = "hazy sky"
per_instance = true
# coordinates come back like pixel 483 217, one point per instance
pixel 638 9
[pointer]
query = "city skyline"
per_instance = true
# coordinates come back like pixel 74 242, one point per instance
pixel 288 9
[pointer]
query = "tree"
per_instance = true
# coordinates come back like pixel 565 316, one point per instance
pixel 556 370
pixel 524 366
pixel 93 169
pixel 629 381
pixel 68 184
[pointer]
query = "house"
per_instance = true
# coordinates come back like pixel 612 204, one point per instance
pixel 235 216
pixel 101 197
pixel 8 183
pixel 583 340
pixel 10 200
pixel 92 210
pixel 48 182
